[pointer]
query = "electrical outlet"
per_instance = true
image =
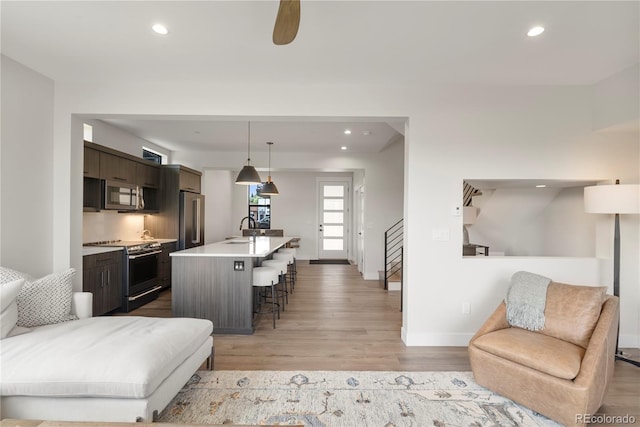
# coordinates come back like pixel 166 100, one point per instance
pixel 466 308
pixel 457 210
pixel 238 265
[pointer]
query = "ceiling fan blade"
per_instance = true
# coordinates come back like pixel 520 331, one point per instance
pixel 287 22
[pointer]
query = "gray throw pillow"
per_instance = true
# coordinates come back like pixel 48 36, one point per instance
pixel 47 300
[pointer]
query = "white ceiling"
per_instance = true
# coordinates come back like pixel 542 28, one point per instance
pixel 339 42
pixel 217 134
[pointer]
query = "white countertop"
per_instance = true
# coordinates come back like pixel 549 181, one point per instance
pixel 239 247
pixel 95 250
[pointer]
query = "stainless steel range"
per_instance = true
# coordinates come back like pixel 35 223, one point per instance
pixel 140 271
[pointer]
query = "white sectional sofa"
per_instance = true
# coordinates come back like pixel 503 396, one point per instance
pixel 114 368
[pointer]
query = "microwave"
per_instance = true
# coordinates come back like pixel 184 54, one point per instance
pixel 122 197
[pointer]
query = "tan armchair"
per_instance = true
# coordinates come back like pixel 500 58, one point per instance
pixel 561 371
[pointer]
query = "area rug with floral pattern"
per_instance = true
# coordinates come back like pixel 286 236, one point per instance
pixel 341 398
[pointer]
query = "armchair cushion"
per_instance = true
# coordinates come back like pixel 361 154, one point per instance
pixel 571 312
pixel 540 352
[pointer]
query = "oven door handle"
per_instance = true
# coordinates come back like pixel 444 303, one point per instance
pixel 155 288
pixel 144 255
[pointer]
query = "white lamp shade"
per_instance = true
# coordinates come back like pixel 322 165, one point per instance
pixel 611 199
pixel 469 214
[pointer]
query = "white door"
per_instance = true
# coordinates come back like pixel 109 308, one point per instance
pixel 333 224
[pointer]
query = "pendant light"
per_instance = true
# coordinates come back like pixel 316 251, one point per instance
pixel 269 188
pixel 248 175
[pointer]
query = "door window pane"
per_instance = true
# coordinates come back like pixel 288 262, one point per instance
pixel 333 191
pixel 333 231
pixel 333 204
pixel 333 217
pixel 332 244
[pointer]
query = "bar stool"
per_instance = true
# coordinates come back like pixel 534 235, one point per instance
pixel 280 267
pixel 288 258
pixel 267 277
pixel 293 252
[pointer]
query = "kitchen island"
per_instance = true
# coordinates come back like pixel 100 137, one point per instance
pixel 214 281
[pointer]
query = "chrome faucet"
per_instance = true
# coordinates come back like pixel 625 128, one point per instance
pixel 251 221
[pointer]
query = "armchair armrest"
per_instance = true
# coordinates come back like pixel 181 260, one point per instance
pixel 497 321
pixel 599 358
pixel 82 304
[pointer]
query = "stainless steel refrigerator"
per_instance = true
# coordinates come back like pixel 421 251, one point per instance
pixel 191 232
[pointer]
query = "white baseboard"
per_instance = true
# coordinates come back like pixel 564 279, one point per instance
pixel 370 276
pixel 629 341
pixel 437 340
pixel 393 286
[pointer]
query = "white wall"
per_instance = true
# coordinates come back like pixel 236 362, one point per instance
pixel 26 171
pixel 113 137
pixel 498 133
pixel 455 132
pixel 534 222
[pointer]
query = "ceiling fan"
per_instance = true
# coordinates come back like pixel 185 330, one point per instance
pixel 287 22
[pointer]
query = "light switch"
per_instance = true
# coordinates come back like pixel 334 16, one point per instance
pixel 238 265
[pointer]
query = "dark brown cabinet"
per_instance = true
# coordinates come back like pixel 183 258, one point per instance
pixel 189 181
pixel 116 168
pixel 91 163
pixel 147 176
pixel 164 265
pixel 102 276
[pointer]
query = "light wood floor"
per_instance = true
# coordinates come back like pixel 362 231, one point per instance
pixel 335 320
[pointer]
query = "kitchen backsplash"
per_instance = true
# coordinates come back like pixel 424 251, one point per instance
pixel 100 226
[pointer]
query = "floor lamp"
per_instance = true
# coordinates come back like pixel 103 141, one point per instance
pixel 614 199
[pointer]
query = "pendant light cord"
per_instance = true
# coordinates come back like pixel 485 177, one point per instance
pixel 249 144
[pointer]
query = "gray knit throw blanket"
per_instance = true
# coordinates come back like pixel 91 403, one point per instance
pixel 526 299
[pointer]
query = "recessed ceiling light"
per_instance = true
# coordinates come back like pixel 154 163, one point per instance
pixel 343 148
pixel 541 186
pixel 366 132
pixel 160 29
pixel 347 132
pixel 535 31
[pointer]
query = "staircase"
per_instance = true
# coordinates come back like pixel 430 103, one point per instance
pixel 393 256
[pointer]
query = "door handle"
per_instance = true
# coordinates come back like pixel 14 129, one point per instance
pixel 197 219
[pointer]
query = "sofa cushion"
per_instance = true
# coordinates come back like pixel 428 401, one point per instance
pixel 537 351
pixel 117 356
pixel 571 312
pixel 8 307
pixel 9 275
pixel 46 300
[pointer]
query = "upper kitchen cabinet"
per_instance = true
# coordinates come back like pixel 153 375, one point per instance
pixel 116 168
pixel 147 175
pixel 190 180
pixel 91 163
